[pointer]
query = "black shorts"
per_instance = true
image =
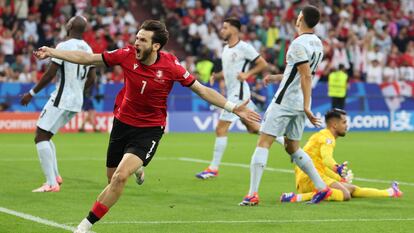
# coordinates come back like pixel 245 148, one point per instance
pixel 142 142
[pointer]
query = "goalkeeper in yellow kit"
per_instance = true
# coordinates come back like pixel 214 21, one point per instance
pixel 320 148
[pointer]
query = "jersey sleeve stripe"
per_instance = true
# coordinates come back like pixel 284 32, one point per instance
pixel 103 59
pixel 301 62
pixel 288 82
pixel 254 60
pixel 56 63
pixel 190 84
pixel 61 85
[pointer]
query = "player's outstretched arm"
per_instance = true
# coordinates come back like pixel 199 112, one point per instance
pixel 78 57
pixel 260 65
pixel 306 84
pixel 272 78
pixel 46 79
pixel 213 97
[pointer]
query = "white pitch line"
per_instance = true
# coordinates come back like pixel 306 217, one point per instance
pixel 289 171
pixel 281 170
pixel 36 219
pixel 262 221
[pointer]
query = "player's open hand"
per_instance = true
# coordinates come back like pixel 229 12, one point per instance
pixel 317 122
pixel 26 98
pixel 42 53
pixel 246 113
pixel 342 169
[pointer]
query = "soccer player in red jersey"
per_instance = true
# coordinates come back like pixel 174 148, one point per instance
pixel 140 114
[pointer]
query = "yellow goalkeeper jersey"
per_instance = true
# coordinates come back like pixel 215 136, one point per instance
pixel 320 147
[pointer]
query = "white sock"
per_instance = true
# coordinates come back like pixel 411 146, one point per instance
pixel 219 147
pixel 55 166
pixel 305 163
pixel 45 153
pixel 257 166
pixel 85 225
pixel 280 140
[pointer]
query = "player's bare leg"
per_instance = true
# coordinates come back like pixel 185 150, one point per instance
pixel 252 127
pixel 219 148
pixel 109 173
pixel 110 195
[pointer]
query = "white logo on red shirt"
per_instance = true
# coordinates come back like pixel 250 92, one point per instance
pixel 135 66
pixel 186 74
pixel 159 74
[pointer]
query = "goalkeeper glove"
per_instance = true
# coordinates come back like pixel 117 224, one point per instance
pixel 349 176
pixel 342 168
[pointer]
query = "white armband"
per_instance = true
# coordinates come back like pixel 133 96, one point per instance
pixel 31 92
pixel 229 106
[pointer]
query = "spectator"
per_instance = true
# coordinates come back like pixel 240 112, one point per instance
pixel 340 56
pixel 337 87
pixel 204 68
pixel 374 72
pixel 197 30
pixel 376 54
pixel 406 72
pixel 402 40
pixel 117 75
pixel 391 72
pixel 25 76
pixel 30 28
pixel 7 46
pixel 212 41
pixel 259 95
pixel 189 64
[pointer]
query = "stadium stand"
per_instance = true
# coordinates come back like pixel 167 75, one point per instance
pixel 374 40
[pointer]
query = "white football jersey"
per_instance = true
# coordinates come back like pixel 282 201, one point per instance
pixel 235 60
pixel 71 78
pixel 305 48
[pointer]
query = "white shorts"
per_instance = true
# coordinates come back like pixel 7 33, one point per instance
pixel 281 121
pixel 228 116
pixel 51 118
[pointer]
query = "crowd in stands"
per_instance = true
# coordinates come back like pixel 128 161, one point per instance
pixel 373 39
pixel 28 24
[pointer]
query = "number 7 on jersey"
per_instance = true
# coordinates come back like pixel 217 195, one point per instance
pixel 144 83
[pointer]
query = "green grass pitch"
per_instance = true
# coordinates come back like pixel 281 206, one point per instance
pixel 173 200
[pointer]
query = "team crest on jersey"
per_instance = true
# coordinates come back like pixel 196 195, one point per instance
pixel 328 141
pixel 135 66
pixel 233 57
pixel 158 76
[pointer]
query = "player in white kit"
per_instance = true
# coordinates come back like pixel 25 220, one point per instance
pixel 237 56
pixel 63 103
pixel 290 107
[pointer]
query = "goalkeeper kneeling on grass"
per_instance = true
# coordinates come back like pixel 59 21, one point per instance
pixel 320 148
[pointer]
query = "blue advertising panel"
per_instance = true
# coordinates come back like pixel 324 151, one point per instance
pixel 375 121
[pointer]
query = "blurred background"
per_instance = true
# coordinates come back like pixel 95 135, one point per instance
pixel 368 43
